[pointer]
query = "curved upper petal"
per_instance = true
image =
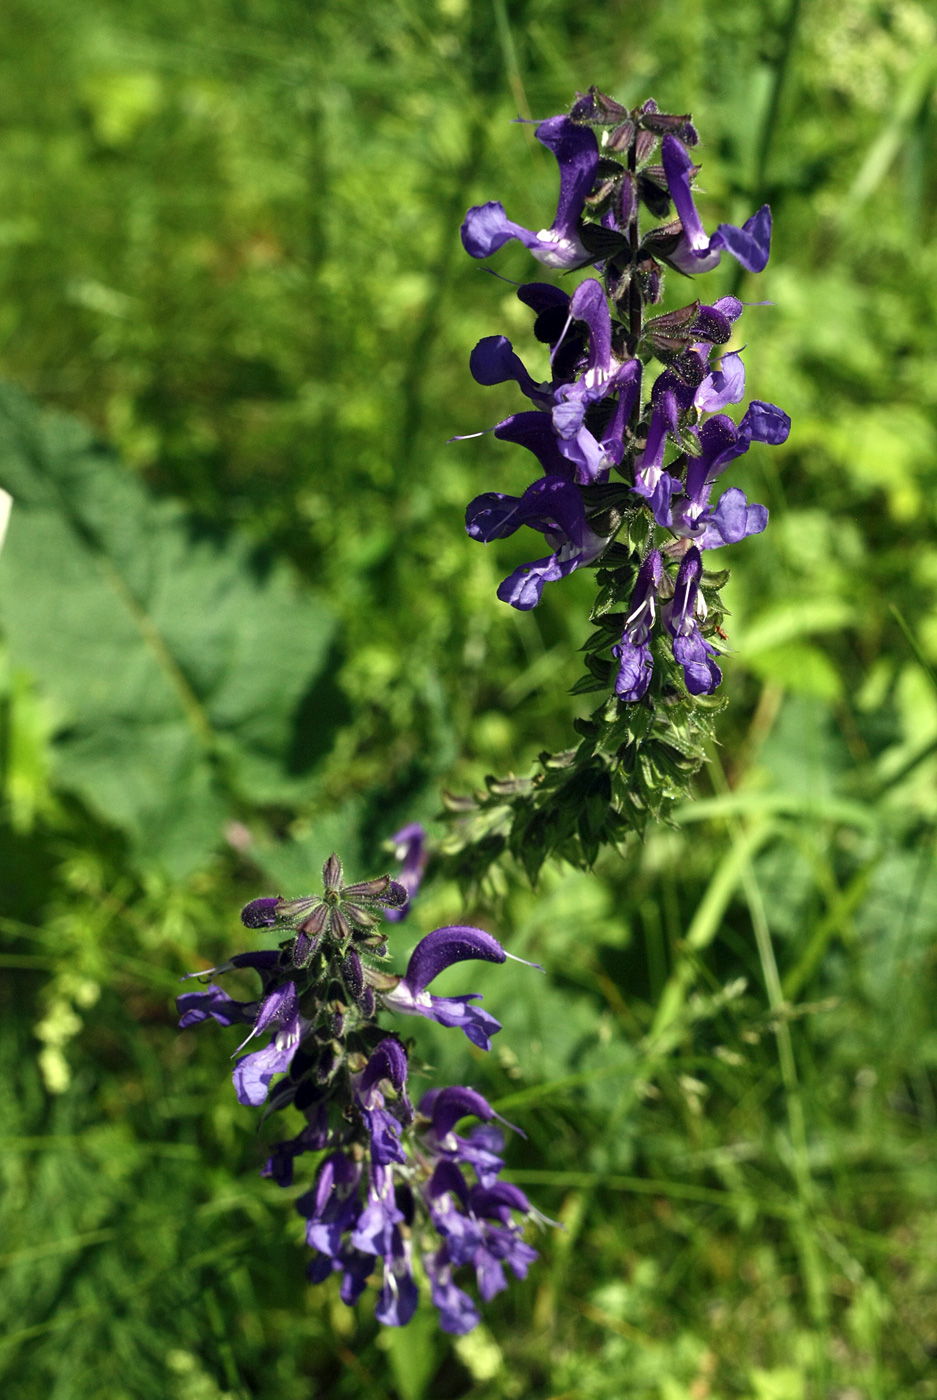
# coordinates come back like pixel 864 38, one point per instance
pixel 445 946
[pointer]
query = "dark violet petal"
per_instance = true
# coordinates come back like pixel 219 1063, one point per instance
pixel 636 665
pixel 523 589
pixel 215 1002
pixel 486 228
pixel 264 960
pixel 493 361
pixel 681 620
pixel 730 307
pixel 458 1314
pixel 388 1061
pixel 445 946
pixel 590 305
pixel 253 1073
pixel 765 422
pixel 710 325
pixel 398 1300
pixel 454 1103
pixel 492 1201
pixel 679 168
pixel 352 976
pixel 279 1007
pixel 357 1269
pixel 260 913
pixel 750 245
pixel 543 296
pixel 577 155
pixel 493 516
pixel 447 1177
pixel 534 431
pixel 694 654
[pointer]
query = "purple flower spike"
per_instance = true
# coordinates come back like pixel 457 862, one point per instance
pixel 487 227
pixel 410 844
pixel 437 951
pixel 750 245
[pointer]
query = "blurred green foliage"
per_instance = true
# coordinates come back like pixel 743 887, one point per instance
pixel 252 629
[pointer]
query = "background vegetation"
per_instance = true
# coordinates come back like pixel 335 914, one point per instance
pixel 244 625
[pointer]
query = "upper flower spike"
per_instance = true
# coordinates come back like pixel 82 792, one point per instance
pixel 487 227
pixel 750 245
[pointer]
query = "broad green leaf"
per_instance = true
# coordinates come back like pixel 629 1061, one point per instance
pixel 175 664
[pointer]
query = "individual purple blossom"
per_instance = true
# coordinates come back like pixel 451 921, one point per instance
pixel 487 227
pixel 253 1073
pixel 690 647
pixel 633 652
pixel 388 1063
pixel 215 1002
pixel 555 508
pixel 411 850
pixel 732 519
pixel 437 951
pixel 696 252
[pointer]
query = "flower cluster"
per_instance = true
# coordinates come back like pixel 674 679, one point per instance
pixel 394 1184
pixel 592 418
pixel 631 431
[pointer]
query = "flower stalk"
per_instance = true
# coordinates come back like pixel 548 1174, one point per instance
pixel 631 435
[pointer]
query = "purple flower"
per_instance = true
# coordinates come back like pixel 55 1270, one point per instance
pixel 480 1149
pixel 633 651
pixel 651 481
pixel 411 851
pixel 439 950
pixel 388 1063
pixel 253 1073
pixel 376 1230
pixel 554 507
pixel 332 1207
pixel 493 361
pixel 198 1006
pixel 732 519
pixel 458 1314
pixel 690 647
pixel 750 245
pixel 399 1295
pixel 487 228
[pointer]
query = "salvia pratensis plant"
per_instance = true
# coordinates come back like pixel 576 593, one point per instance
pixel 631 435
